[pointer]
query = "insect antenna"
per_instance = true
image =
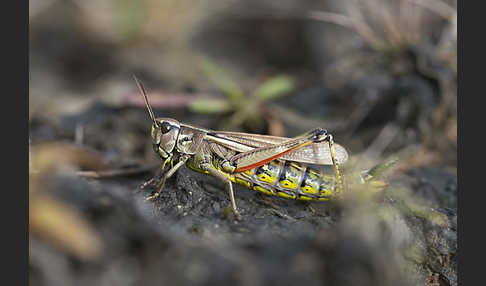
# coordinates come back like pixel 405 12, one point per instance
pixel 144 94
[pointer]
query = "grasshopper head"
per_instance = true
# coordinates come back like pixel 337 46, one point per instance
pixel 164 136
pixel 165 131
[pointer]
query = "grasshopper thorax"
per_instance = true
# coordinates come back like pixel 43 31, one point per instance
pixel 165 132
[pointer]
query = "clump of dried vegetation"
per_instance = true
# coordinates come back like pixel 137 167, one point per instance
pixel 400 38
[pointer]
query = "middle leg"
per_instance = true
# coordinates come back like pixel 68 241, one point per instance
pixel 225 179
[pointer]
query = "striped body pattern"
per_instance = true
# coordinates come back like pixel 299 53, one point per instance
pixel 286 179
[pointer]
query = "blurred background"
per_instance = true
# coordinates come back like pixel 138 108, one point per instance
pixel 380 75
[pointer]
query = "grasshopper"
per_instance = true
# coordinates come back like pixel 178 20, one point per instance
pixel 267 164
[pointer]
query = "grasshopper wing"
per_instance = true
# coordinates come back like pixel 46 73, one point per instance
pixel 315 153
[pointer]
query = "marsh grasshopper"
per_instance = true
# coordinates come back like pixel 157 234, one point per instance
pixel 267 164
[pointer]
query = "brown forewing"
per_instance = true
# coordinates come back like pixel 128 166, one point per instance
pixel 315 153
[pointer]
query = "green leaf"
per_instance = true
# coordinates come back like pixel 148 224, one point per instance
pixel 210 106
pixel 221 79
pixel 274 87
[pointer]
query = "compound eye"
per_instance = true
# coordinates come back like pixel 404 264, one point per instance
pixel 165 127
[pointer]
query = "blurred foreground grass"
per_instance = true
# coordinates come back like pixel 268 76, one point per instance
pixel 52 219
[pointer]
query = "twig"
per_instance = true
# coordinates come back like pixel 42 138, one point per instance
pixel 334 18
pixel 383 140
pixel 282 215
pixel 116 172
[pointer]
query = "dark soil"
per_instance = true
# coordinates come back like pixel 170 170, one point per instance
pixel 189 237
